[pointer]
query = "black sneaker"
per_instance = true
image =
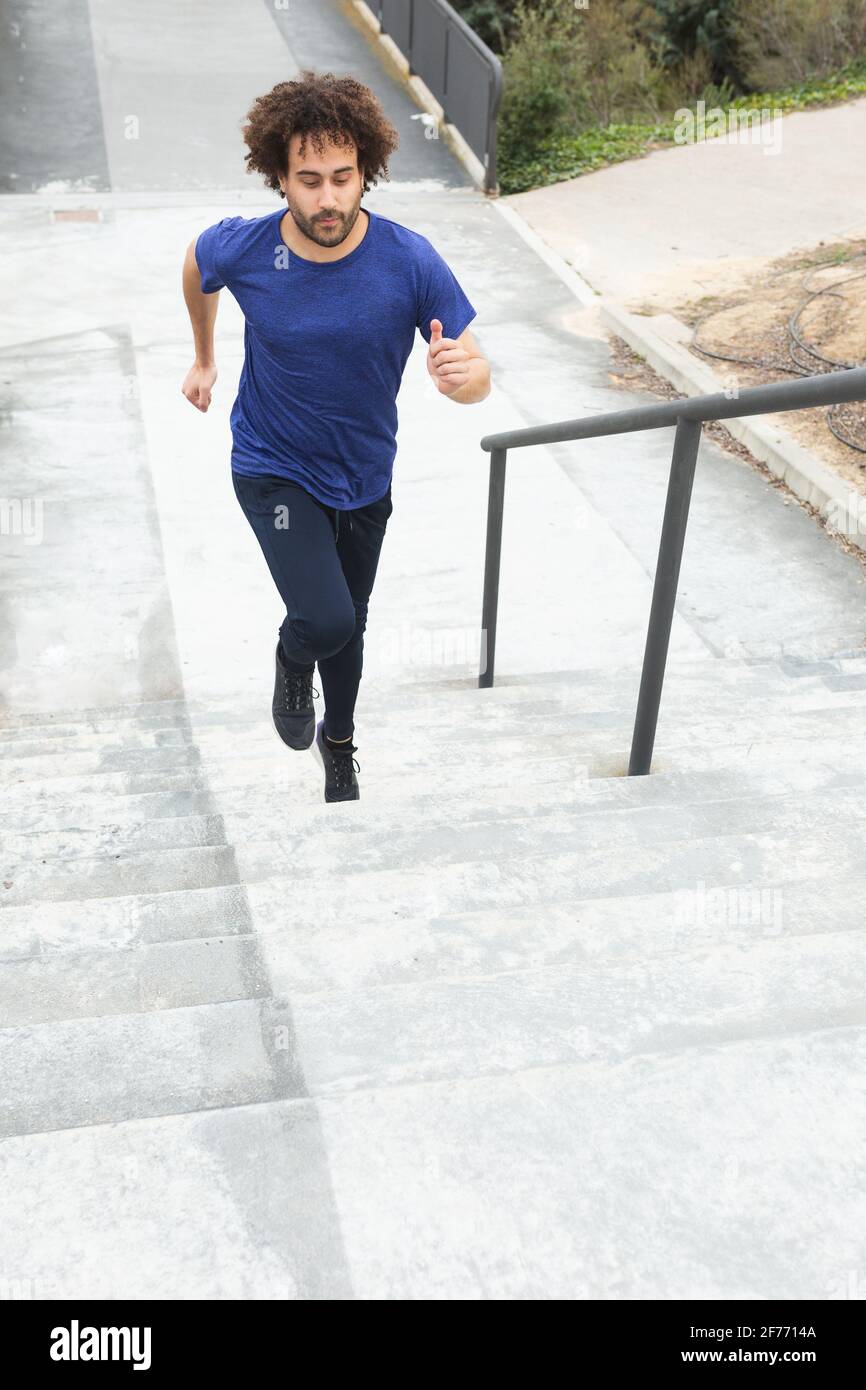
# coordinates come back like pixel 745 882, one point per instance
pixel 341 784
pixel 294 715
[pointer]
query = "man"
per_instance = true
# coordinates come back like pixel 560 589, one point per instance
pixel 332 294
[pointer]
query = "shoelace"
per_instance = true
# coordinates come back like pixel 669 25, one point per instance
pixel 343 764
pixel 298 690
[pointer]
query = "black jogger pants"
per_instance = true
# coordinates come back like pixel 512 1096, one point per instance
pixel 323 561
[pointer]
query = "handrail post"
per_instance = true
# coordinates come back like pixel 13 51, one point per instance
pixel 670 554
pixel 493 551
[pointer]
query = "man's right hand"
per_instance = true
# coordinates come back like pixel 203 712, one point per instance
pixel 198 384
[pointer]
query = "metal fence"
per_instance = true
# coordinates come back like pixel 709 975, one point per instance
pixel 463 74
pixel 828 388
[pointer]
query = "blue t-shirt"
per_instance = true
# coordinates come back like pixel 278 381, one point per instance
pixel 325 346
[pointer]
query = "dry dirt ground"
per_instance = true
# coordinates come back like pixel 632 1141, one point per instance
pixel 632 373
pixel 801 314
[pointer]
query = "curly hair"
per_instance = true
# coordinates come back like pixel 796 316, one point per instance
pixel 318 105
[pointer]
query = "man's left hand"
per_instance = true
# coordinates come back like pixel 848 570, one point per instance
pixel 447 361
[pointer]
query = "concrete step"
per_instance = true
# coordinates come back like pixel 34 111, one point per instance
pixel 117 809
pixel 714 691
pixel 85 972
pixel 538 852
pixel 536 730
pixel 120 811
pixel 522 1178
pixel 596 688
pixel 403 931
pixel 595 824
pixel 706 673
pixel 298 779
pixel 111 838
pixel 145 1064
pixel 457 1027
pixel 592 737
pixel 246 1051
pixel 178 914
pixel 289 773
pixel 483 712
pixel 199 866
pixel 133 979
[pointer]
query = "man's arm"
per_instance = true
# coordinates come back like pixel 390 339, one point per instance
pixel 202 307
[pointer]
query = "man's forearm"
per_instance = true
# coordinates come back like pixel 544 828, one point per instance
pixel 478 385
pixel 202 311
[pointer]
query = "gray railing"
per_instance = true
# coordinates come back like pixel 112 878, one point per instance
pixel 688 415
pixel 463 74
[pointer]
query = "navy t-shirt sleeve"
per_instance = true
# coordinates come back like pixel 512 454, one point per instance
pixel 207 255
pixel 442 298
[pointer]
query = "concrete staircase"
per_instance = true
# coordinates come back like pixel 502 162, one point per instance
pixel 512 1025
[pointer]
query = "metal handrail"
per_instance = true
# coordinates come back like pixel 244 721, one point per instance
pixel 689 416
pixel 452 61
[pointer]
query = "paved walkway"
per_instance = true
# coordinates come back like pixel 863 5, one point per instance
pixel 688 220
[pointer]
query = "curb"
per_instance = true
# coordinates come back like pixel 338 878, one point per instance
pixel 808 478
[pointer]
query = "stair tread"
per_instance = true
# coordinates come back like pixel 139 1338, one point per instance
pixel 851 662
pixel 96 980
pixel 536 854
pixel 607 821
pixel 124 808
pixel 438 719
pixel 284 774
pixel 599 738
pixel 667 918
pixel 245 1051
pixel 621 1152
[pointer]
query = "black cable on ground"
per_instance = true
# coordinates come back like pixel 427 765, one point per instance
pixel 797 345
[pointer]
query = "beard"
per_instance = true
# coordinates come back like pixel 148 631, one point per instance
pixel 325 236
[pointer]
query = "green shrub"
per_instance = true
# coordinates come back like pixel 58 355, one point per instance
pixel 570 69
pixel 492 20
pixel 694 38
pixel 780 42
pixel 623 78
pixel 544 74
